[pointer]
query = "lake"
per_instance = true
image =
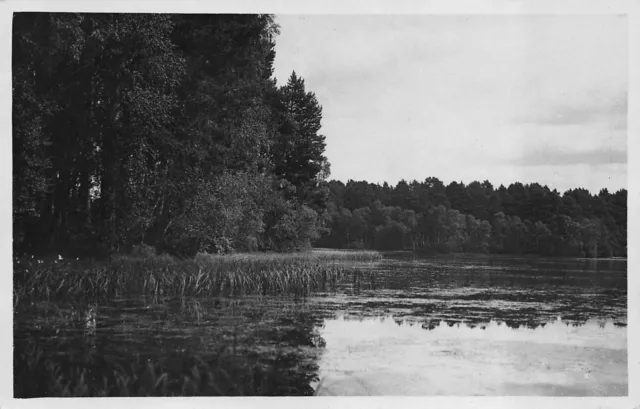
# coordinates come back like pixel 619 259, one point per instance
pixel 449 325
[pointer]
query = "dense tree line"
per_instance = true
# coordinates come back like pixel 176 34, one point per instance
pixel 167 130
pixel 477 217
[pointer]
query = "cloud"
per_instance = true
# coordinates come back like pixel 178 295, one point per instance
pixel 595 157
pixel 414 96
pixel 612 111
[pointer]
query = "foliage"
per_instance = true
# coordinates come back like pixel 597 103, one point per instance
pixel 476 218
pixel 164 130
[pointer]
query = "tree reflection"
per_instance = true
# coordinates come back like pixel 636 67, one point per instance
pixel 430 324
pixel 178 347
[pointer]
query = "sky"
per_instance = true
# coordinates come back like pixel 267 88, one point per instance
pixel 479 97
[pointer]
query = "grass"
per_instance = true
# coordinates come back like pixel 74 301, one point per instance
pixel 262 261
pixel 295 274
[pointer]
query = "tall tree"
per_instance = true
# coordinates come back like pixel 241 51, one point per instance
pixel 298 152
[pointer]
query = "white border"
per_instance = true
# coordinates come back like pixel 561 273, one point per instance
pixel 629 7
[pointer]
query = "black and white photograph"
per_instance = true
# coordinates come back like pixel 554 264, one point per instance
pixel 289 204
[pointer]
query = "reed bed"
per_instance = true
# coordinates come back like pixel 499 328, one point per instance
pixel 295 274
pixel 286 259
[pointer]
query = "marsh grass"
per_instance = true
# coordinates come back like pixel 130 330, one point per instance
pixel 295 274
pixel 281 260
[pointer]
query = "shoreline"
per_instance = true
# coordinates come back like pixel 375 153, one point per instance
pixel 490 255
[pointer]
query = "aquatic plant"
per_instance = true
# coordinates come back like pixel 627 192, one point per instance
pixel 205 275
pixel 178 374
pixel 244 346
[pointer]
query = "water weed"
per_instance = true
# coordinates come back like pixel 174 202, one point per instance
pixel 178 374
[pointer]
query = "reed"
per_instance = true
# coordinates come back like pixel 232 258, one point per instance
pixel 295 274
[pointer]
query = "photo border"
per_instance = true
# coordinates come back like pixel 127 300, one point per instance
pixel 470 7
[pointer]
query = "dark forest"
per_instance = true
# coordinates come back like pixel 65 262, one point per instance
pixel 478 218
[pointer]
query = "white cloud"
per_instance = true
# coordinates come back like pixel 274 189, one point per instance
pixel 454 96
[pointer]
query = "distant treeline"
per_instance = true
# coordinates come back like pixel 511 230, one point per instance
pixel 164 130
pixel 477 217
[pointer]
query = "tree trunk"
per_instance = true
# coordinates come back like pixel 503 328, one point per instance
pixel 111 166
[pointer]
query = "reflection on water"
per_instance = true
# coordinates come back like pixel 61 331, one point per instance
pixel 260 346
pixel 436 326
pixel 596 334
pixel 384 356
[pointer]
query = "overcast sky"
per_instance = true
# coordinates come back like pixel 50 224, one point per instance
pixel 503 98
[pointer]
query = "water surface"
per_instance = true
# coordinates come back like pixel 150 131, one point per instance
pixel 404 326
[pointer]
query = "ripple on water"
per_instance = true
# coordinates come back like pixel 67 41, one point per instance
pixel 497 326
